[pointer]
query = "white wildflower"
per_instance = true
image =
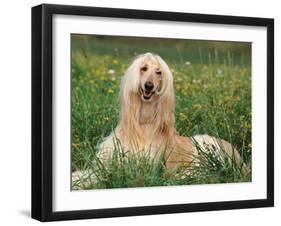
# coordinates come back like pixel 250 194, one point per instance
pixel 111 71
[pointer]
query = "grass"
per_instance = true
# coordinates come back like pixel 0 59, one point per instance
pixel 212 83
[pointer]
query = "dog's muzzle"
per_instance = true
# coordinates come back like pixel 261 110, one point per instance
pixel 146 94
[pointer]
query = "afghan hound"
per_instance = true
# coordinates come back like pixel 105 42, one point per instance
pixel 147 120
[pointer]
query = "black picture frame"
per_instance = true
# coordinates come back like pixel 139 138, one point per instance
pixel 42 105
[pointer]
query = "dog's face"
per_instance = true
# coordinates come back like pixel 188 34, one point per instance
pixel 150 79
pixel 146 89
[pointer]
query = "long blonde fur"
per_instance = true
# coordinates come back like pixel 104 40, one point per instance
pixel 136 132
pixel 131 103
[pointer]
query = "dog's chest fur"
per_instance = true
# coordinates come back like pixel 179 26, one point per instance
pixel 147 113
pixel 153 142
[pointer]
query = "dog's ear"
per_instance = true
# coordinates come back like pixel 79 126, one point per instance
pixel 130 102
pixel 166 100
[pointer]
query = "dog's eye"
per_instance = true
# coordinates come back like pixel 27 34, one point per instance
pixel 144 68
pixel 159 72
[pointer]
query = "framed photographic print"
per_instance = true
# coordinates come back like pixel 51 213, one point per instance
pixel 146 112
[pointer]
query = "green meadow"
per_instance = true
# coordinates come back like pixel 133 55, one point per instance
pixel 212 82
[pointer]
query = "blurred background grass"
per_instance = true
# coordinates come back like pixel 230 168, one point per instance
pixel 212 83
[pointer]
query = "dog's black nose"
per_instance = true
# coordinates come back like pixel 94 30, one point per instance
pixel 148 86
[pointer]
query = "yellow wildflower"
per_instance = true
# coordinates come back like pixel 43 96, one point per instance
pixel 197 106
pixel 182 115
